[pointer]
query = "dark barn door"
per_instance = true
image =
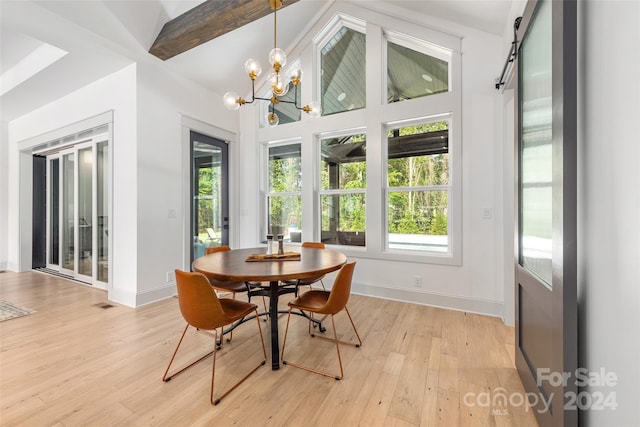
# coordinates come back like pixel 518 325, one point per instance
pixel 546 307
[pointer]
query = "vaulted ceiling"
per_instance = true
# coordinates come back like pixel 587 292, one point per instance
pixel 49 49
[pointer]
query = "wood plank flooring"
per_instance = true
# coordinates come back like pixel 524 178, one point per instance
pixel 74 363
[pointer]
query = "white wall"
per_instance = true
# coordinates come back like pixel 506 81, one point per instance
pixel 609 203
pixel 478 284
pixel 163 172
pixel 116 93
pixel 150 171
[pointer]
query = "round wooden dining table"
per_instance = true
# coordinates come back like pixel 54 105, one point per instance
pixel 233 266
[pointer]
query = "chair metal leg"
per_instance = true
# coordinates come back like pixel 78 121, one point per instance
pixel 358 344
pixel 335 340
pixel 166 378
pixel 284 342
pixel 213 373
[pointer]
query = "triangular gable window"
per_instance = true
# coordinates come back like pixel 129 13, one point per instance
pixel 342 68
pixel 415 69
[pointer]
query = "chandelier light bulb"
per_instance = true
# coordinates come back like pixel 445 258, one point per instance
pixel 285 87
pixel 273 119
pixel 231 100
pixel 277 58
pixel 280 80
pixel 278 87
pixel 296 76
pixel 252 68
pixel 313 109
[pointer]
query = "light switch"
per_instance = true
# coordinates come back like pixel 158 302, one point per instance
pixel 487 213
pixel 172 213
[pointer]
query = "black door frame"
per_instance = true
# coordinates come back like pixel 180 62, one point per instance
pixel 195 136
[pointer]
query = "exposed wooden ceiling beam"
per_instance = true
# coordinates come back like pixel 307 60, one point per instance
pixel 207 21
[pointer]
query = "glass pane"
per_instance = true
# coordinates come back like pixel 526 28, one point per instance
pixel 54 211
pixel 342 64
pixel 343 219
pixel 286 111
pixel 285 216
pixel 68 217
pixel 536 155
pixel 418 220
pixel 343 162
pixel 85 211
pixel 285 171
pixel 418 155
pixel 207 190
pixel 103 212
pixel 412 74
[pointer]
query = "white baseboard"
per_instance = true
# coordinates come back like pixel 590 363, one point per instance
pixel 450 302
pixel 137 299
pixel 434 299
pixel 148 297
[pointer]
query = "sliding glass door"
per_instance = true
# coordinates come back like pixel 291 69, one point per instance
pixel 77 211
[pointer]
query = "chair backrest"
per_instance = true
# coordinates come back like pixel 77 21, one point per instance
pixel 214 249
pixel 341 289
pixel 198 301
pixel 317 245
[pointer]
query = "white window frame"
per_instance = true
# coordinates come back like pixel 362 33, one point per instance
pixel 418 45
pixel 321 192
pixel 324 36
pixel 264 228
pixel 389 189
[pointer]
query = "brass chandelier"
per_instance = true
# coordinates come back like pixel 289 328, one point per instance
pixel 277 79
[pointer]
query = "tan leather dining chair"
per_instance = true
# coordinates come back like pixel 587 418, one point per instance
pixel 224 286
pixel 327 303
pixel 307 282
pixel 202 309
pixel 228 286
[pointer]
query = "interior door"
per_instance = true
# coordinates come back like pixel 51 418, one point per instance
pixel 209 193
pixel 546 307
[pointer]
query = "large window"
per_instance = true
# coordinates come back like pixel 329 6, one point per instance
pixel 381 168
pixel 343 178
pixel 418 187
pixel 284 192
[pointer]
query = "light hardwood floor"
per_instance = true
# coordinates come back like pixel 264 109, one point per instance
pixel 75 363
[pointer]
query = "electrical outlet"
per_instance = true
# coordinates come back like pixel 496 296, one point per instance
pixel 171 276
pixel 417 281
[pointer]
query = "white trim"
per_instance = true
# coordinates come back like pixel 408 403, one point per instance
pixel 59 137
pixel 433 299
pixel 419 45
pixel 208 129
pixel 332 27
pixel 137 299
pixel 189 124
pixel 157 294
